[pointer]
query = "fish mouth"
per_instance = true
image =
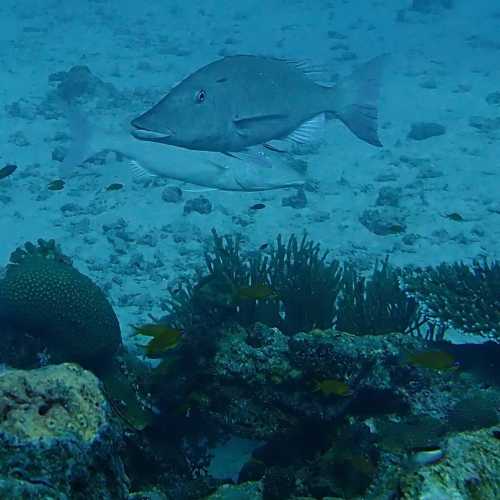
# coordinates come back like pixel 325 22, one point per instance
pixel 149 135
pixel 145 134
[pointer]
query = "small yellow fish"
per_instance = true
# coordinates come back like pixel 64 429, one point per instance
pixel 331 386
pixel 152 329
pixel 435 360
pixel 164 338
pixel 7 170
pixel 114 187
pixel 56 185
pixel 260 291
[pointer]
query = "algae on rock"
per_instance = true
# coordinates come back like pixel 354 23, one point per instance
pixel 469 471
pixel 56 435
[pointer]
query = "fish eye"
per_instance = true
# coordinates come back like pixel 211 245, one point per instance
pixel 201 96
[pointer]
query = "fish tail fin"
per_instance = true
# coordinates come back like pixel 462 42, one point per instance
pixel 355 99
pixel 81 141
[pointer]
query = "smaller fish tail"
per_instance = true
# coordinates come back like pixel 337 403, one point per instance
pixel 356 99
pixel 80 148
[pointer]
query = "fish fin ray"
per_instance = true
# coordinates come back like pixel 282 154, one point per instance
pixel 314 72
pixel 138 170
pixel 81 135
pixel 309 132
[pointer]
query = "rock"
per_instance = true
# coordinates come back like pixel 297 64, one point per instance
pixel 494 207
pixel 470 469
pixel 200 205
pixel 298 200
pixel 244 491
pixel 428 83
pixel 429 6
pixel 485 124
pixel 429 172
pixel 59 153
pixel 21 109
pixel 493 99
pixel 80 82
pixel 389 196
pixel 424 130
pixel 19 139
pixel 410 239
pixel 383 221
pixel 265 376
pixel 57 439
pixel 171 194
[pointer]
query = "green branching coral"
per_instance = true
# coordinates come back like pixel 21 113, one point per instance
pixel 44 295
pixel 466 297
pixel 376 305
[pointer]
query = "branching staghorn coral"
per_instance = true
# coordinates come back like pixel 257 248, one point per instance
pixel 462 296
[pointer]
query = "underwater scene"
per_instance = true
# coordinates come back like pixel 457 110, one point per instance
pixel 250 250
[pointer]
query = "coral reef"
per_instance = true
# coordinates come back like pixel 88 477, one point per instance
pixel 322 364
pixel 246 491
pixel 57 439
pixel 466 297
pixel 262 381
pixel 308 291
pixel 470 470
pixel 43 295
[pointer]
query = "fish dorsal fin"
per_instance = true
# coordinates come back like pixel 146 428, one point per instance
pixel 315 72
pixel 139 171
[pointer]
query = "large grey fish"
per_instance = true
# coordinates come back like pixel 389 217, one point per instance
pixel 241 101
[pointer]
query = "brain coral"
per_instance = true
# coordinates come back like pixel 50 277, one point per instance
pixel 44 295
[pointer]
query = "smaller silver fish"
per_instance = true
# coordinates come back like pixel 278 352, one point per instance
pixel 202 168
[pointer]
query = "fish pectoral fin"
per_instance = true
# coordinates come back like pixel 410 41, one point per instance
pixel 245 122
pixel 139 171
pixel 198 190
pixel 219 165
pixel 309 132
pixel 254 157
